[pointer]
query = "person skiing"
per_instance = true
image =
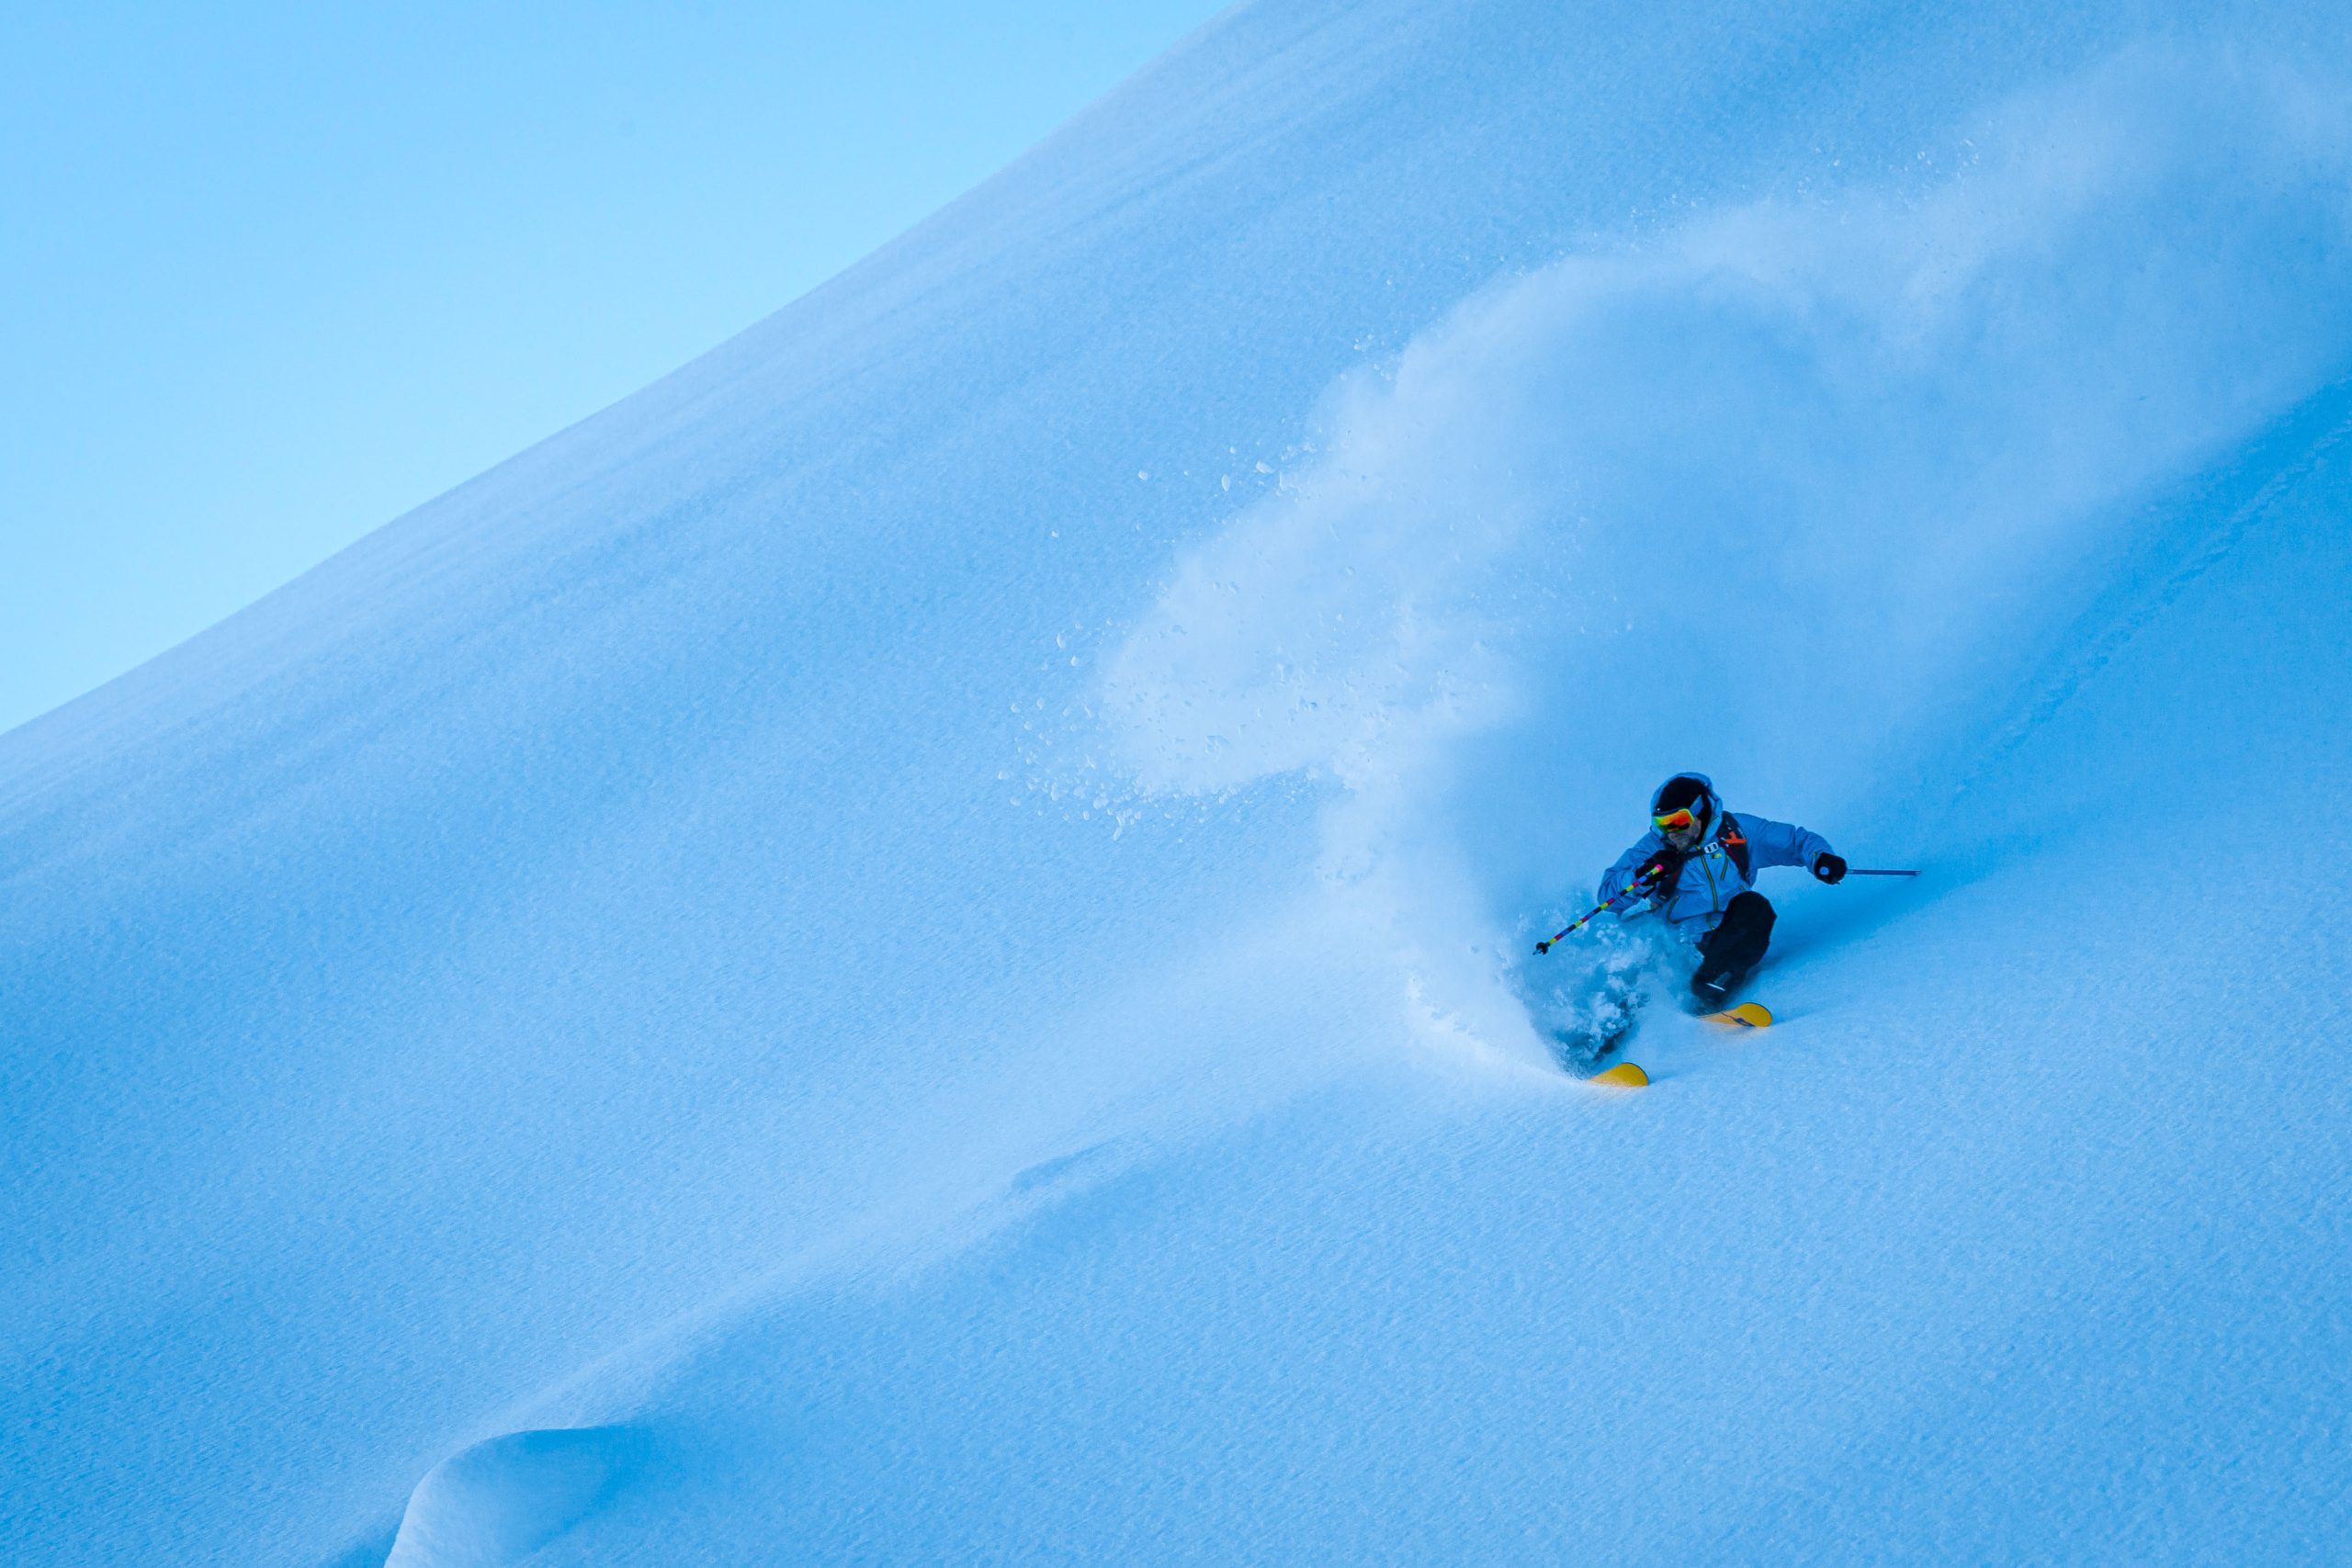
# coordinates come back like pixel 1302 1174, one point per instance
pixel 1698 864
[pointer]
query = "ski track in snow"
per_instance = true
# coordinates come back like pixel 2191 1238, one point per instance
pixel 2089 648
pixel 911 946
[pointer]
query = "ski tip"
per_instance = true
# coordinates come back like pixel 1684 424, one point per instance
pixel 1624 1074
pixel 1747 1015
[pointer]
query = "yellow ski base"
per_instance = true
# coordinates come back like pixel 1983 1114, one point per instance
pixel 1748 1015
pixel 1624 1074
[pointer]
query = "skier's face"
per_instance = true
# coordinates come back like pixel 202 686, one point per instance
pixel 1680 829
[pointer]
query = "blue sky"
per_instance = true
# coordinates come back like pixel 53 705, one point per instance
pixel 275 273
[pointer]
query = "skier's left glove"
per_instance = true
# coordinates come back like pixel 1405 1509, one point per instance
pixel 1830 868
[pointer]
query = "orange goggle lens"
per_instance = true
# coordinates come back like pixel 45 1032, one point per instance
pixel 1674 822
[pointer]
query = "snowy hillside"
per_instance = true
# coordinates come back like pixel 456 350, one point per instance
pixel 912 946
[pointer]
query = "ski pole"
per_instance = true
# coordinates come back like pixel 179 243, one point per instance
pixel 1639 883
pixel 1858 871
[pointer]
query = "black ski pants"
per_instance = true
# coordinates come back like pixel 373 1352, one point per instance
pixel 1739 939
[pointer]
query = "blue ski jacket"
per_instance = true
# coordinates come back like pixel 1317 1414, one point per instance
pixel 1713 875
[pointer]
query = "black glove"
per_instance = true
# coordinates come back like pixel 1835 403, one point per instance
pixel 1830 868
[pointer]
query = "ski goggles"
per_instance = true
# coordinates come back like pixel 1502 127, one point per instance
pixel 1674 822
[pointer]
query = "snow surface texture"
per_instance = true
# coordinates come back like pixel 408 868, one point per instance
pixel 912 946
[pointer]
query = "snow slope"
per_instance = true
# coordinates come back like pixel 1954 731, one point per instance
pixel 910 945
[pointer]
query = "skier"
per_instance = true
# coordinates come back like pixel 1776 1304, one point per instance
pixel 1698 863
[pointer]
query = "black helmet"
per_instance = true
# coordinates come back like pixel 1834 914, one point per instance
pixel 1693 790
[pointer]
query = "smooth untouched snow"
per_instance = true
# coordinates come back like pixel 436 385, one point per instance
pixel 913 945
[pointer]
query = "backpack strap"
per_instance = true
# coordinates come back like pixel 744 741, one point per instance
pixel 1735 844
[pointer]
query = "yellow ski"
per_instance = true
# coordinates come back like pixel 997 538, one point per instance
pixel 1624 1074
pixel 1747 1015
